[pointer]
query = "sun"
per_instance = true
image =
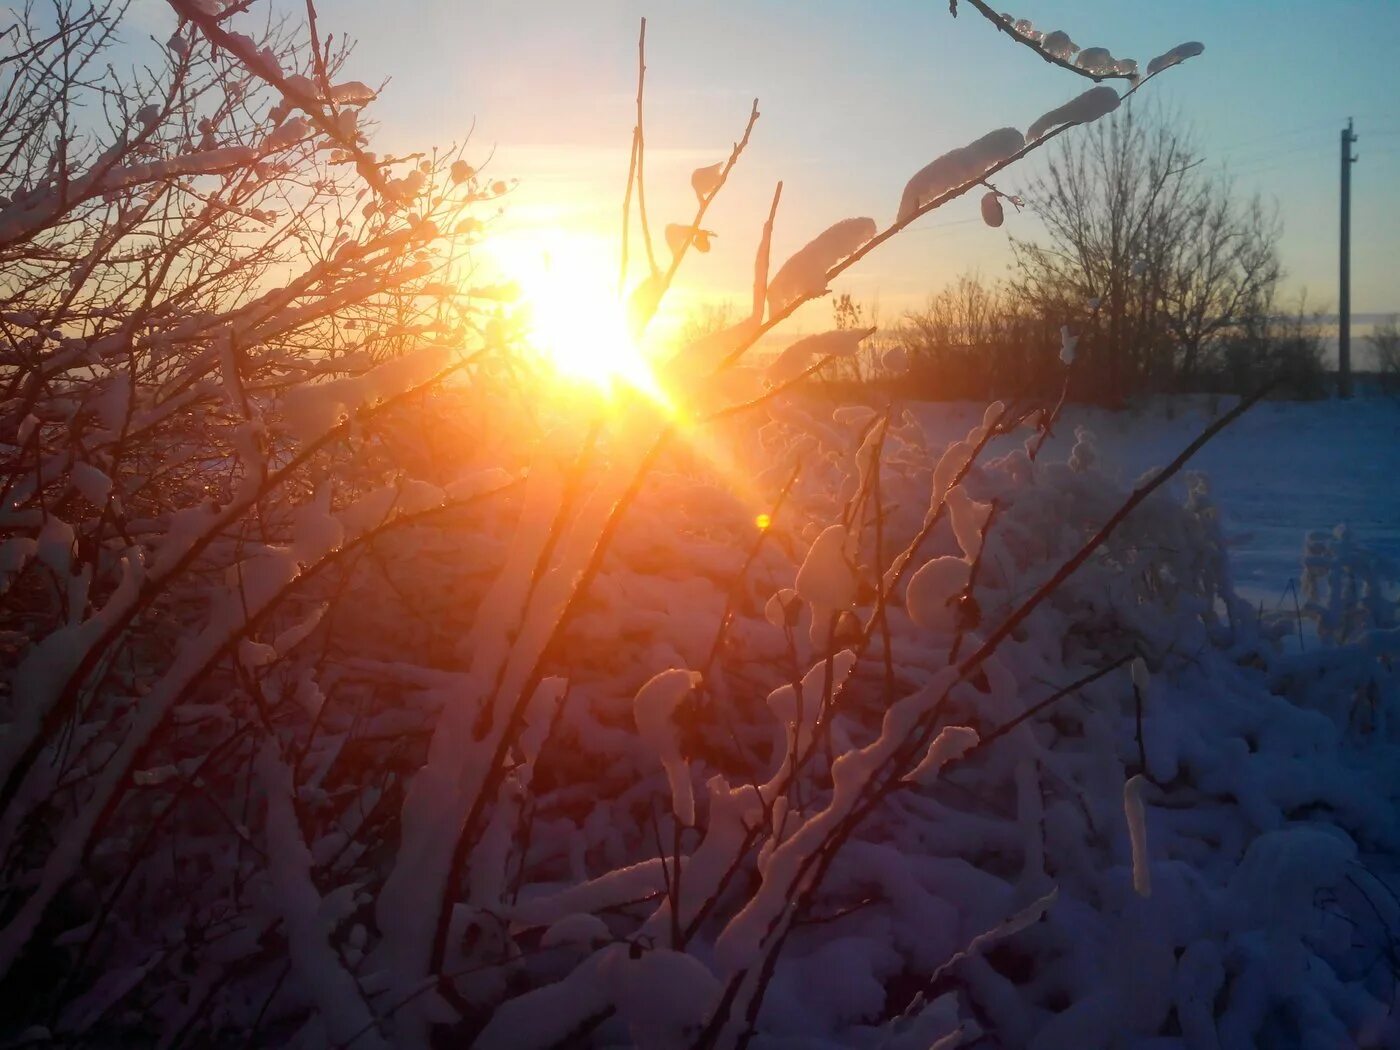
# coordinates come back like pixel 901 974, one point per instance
pixel 574 315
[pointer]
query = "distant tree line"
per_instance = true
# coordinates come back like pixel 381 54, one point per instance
pixel 1166 277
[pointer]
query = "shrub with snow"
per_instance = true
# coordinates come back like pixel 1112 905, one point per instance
pixel 316 735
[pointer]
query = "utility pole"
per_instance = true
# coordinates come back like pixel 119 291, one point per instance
pixel 1344 308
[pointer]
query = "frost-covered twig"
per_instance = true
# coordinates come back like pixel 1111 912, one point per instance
pixel 648 295
pixel 1007 26
pixel 258 63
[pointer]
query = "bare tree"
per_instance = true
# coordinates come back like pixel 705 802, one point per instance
pixel 1153 257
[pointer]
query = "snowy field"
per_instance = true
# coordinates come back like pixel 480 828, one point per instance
pixel 1282 470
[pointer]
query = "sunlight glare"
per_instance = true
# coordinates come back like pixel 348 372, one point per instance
pixel 575 316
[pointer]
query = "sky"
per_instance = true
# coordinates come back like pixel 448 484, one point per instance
pixel 856 95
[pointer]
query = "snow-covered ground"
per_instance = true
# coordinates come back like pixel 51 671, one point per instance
pixel 1282 470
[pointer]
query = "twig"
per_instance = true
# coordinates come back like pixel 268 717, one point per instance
pixel 639 137
pixel 1010 30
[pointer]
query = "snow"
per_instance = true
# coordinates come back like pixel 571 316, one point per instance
pixel 28 425
pixel 1068 342
pixel 664 997
pixel 1175 56
pixel 91 482
pixel 950 745
pixel 953 460
pixel 932 590
pixel 799 708
pixel 804 273
pixel 782 608
pixel 1136 814
pixel 707 353
pixel 1084 109
pixel 313 409
pixel 290 637
pixel 654 708
pixel 826 578
pixel 341 1007
pixel 969 519
pixel 957 167
pixel 1274 473
pixel 802 353
pixel 1277 881
pixel 54 544
pixel 579 928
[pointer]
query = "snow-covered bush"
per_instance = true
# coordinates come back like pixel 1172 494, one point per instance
pixel 706 718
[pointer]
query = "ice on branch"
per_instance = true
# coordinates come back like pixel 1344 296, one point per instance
pixel 957 167
pixel 1026 28
pixel 1100 61
pixel 352 93
pixel 1059 44
pixel 1175 56
pixel 654 709
pixel 1090 106
pixel 804 274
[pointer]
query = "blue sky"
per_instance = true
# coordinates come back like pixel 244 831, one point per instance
pixel 856 95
